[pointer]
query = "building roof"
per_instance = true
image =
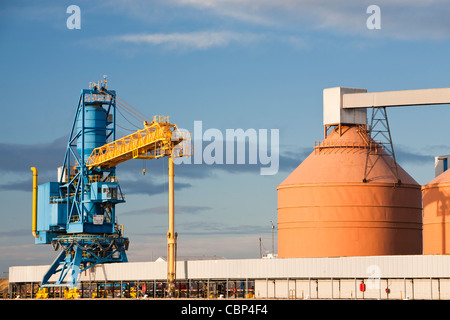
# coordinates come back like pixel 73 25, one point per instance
pixel 409 266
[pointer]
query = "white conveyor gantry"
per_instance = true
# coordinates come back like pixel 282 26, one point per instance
pixel 348 105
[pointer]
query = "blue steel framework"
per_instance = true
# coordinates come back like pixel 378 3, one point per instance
pixel 80 216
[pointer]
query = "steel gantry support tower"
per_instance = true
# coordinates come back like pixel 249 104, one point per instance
pixel 348 106
pixel 77 213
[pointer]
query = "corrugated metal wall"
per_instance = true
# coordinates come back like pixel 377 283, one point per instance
pixel 419 266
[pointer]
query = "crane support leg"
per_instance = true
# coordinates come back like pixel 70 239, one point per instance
pixel 171 235
pixel 53 268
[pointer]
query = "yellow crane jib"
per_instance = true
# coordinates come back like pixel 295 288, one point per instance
pixel 159 138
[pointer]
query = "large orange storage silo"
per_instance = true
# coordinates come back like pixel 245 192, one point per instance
pixel 436 215
pixel 326 210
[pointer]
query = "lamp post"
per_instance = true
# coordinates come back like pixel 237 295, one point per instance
pixel 273 227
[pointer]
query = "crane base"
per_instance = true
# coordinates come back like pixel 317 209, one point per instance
pixel 81 252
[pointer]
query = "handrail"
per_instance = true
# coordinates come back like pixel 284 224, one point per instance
pixel 154 141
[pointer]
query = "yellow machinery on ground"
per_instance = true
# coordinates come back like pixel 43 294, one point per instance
pixel 71 293
pixel 42 293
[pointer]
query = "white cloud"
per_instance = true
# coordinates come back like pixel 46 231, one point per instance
pixel 200 40
pixel 190 40
pixel 286 22
pixel 414 19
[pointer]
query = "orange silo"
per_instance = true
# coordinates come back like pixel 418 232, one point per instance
pixel 326 210
pixel 436 215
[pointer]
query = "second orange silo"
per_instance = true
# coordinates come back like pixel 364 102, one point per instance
pixel 436 215
pixel 326 210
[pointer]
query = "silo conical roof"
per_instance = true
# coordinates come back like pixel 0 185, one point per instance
pixel 326 210
pixel 342 158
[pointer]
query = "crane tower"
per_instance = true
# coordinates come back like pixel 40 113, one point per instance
pixel 78 212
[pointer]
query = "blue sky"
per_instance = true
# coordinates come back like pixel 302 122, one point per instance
pixel 231 64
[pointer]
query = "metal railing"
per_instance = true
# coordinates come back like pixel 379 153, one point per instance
pixel 341 143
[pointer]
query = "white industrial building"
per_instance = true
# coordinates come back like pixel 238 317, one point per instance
pixel 372 277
